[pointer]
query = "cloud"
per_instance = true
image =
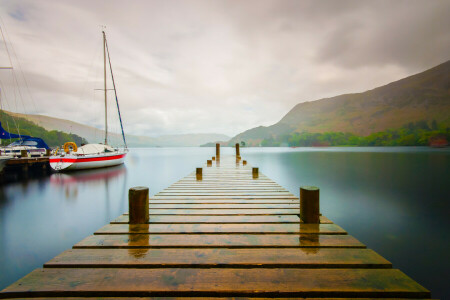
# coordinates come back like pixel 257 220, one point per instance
pixel 215 66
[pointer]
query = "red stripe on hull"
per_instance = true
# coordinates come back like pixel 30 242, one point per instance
pixel 88 159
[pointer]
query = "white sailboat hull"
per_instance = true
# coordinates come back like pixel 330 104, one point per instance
pixel 90 161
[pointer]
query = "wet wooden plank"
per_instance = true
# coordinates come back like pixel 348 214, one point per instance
pixel 223 193
pixel 224 206
pixel 170 219
pixel 225 201
pixel 218 258
pixel 217 282
pixel 245 228
pixel 224 212
pixel 219 241
pixel 222 197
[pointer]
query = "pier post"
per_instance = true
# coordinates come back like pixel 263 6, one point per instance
pixel 218 151
pixel 48 152
pixel 213 158
pixel 244 162
pixel 199 173
pixel 138 205
pixel 238 153
pixel 255 172
pixel 309 204
pixel 209 163
pixel 23 153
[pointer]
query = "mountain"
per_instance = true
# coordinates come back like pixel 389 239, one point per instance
pixel 424 96
pixel 95 135
pixel 24 127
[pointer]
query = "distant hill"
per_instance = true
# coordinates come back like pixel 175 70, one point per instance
pixel 95 135
pixel 22 126
pixel 421 97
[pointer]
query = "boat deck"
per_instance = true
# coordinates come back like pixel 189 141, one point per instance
pixel 228 234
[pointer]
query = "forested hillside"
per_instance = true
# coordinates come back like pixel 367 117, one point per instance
pixel 53 138
pixel 424 97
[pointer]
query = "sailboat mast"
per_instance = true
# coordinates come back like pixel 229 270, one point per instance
pixel 106 91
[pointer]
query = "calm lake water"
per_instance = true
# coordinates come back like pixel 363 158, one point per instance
pixel 395 200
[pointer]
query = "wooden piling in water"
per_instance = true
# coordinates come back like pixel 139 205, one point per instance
pixel 255 173
pixel 309 204
pixel 138 205
pixel 227 236
pixel 218 151
pixel 199 173
pixel 238 153
pixel 209 163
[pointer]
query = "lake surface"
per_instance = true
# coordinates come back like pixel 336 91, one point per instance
pixel 395 200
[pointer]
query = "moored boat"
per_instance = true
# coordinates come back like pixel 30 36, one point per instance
pixel 91 156
pixel 34 146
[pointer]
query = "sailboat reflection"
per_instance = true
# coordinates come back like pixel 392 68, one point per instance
pixel 73 182
pixel 87 176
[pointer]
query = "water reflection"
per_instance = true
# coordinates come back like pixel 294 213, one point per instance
pixel 139 240
pixel 72 182
pixel 394 200
pixel 309 242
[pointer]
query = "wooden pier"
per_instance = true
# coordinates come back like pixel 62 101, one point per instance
pixel 225 231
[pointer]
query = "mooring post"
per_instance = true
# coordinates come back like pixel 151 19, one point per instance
pixel 23 153
pixel 199 173
pixel 213 158
pixel 255 172
pixel 209 163
pixel 238 153
pixel 138 205
pixel 48 152
pixel 309 204
pixel 244 162
pixel 218 151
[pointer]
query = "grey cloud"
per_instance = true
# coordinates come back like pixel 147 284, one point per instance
pixel 223 66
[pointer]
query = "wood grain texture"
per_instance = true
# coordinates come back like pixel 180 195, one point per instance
pixel 216 282
pixel 218 258
pixel 219 240
pixel 245 228
pixel 233 219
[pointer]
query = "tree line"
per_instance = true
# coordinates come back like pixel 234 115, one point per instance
pixel 53 138
pixel 419 133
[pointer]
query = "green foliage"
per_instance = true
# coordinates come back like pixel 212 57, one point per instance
pixel 412 134
pixel 52 138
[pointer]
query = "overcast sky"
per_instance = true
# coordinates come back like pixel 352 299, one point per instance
pixel 211 66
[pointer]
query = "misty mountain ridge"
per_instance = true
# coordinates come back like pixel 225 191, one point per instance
pixel 421 97
pixel 95 135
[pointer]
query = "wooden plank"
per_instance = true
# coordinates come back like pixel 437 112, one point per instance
pixel 224 212
pixel 217 258
pixel 245 228
pixel 225 201
pixel 170 219
pixel 223 206
pixel 222 197
pixel 219 241
pixel 59 282
pixel 223 193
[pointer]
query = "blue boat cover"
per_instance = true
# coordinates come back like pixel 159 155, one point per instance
pixel 25 140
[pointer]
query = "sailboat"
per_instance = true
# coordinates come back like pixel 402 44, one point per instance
pixel 91 156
